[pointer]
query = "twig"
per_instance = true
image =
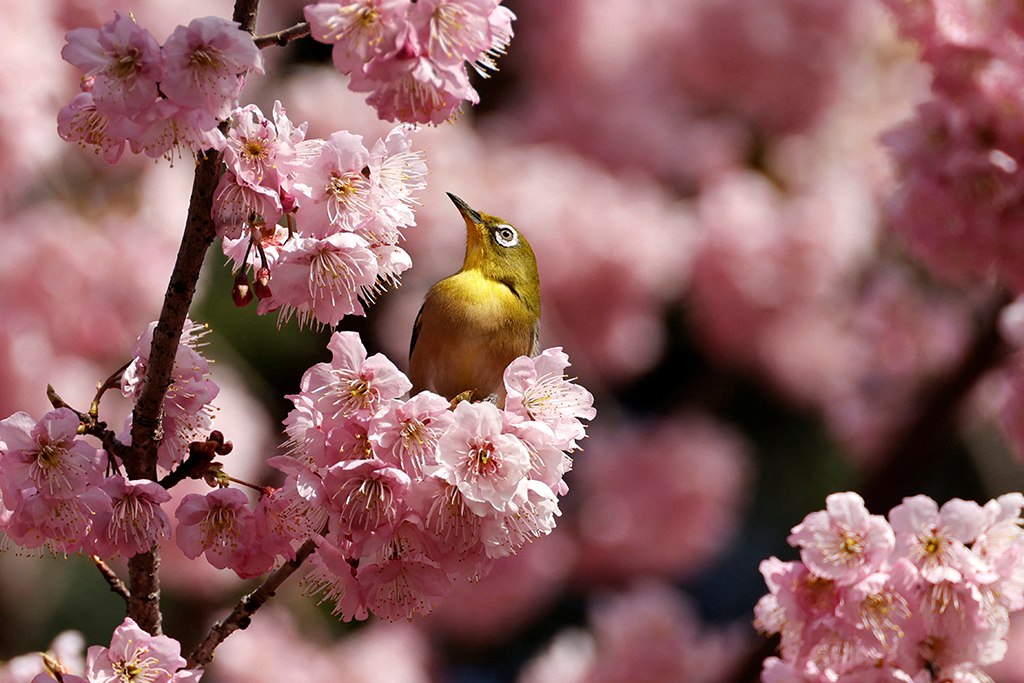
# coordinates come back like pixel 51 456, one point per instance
pixel 283 37
pixel 109 383
pixel 116 584
pixel 90 424
pixel 143 579
pixel 247 606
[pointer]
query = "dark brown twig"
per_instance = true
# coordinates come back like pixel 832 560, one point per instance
pixel 140 463
pixel 90 424
pixel 247 606
pixel 112 579
pixel 282 37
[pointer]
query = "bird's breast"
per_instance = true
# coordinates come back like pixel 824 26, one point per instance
pixel 471 329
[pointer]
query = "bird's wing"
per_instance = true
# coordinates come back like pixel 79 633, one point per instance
pixel 416 329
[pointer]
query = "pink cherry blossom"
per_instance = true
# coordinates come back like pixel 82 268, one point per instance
pixel 844 542
pixel 401 580
pixel 935 540
pixel 339 192
pixel 353 384
pixel 136 521
pixel 358 30
pixel 146 657
pixel 366 495
pixel 932 605
pixel 538 389
pixel 411 57
pixel 408 432
pixel 399 171
pixel 219 525
pixel 205 64
pixel 47 456
pixel 530 515
pixel 455 31
pixel 333 579
pixel 165 129
pixel 60 524
pixel 321 280
pixel 79 121
pixel 124 61
pixel 415 89
pixel 483 461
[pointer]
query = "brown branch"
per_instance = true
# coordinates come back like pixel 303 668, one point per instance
pixel 247 606
pixel 283 37
pixel 115 582
pixel 140 463
pixel 91 424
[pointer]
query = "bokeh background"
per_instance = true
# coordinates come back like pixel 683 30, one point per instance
pixel 704 186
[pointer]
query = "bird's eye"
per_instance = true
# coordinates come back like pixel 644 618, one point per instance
pixel 506 236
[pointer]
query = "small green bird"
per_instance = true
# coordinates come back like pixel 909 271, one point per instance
pixel 474 323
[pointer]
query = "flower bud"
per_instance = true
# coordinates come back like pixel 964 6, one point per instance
pixel 262 283
pixel 241 292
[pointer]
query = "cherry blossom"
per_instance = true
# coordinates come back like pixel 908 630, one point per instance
pixel 206 62
pixel 47 456
pixel 479 458
pixel 929 609
pixel 411 57
pixel 136 653
pixel 221 526
pixel 187 413
pixel 123 60
pixel 136 521
pixel 537 389
pixel 843 543
pixel 353 384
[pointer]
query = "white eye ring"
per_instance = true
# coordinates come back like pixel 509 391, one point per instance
pixel 506 235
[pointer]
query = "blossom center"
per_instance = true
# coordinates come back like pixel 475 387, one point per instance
pixel 139 669
pixel 204 58
pixel 126 65
pixel 483 461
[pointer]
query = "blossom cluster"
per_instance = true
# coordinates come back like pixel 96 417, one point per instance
pixel 960 158
pixel 402 496
pixel 158 99
pixel 925 595
pixel 411 495
pixel 344 206
pixel 187 413
pixel 60 492
pixel 133 654
pixel 411 56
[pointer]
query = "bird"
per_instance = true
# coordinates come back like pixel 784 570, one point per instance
pixel 474 323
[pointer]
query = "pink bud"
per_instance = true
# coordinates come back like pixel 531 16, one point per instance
pixel 262 283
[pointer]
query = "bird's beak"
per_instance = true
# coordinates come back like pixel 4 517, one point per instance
pixel 470 215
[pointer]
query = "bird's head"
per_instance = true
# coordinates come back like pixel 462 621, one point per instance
pixel 499 252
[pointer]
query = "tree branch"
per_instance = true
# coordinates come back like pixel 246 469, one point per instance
pixel 112 579
pixel 247 606
pixel 140 463
pixel 283 37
